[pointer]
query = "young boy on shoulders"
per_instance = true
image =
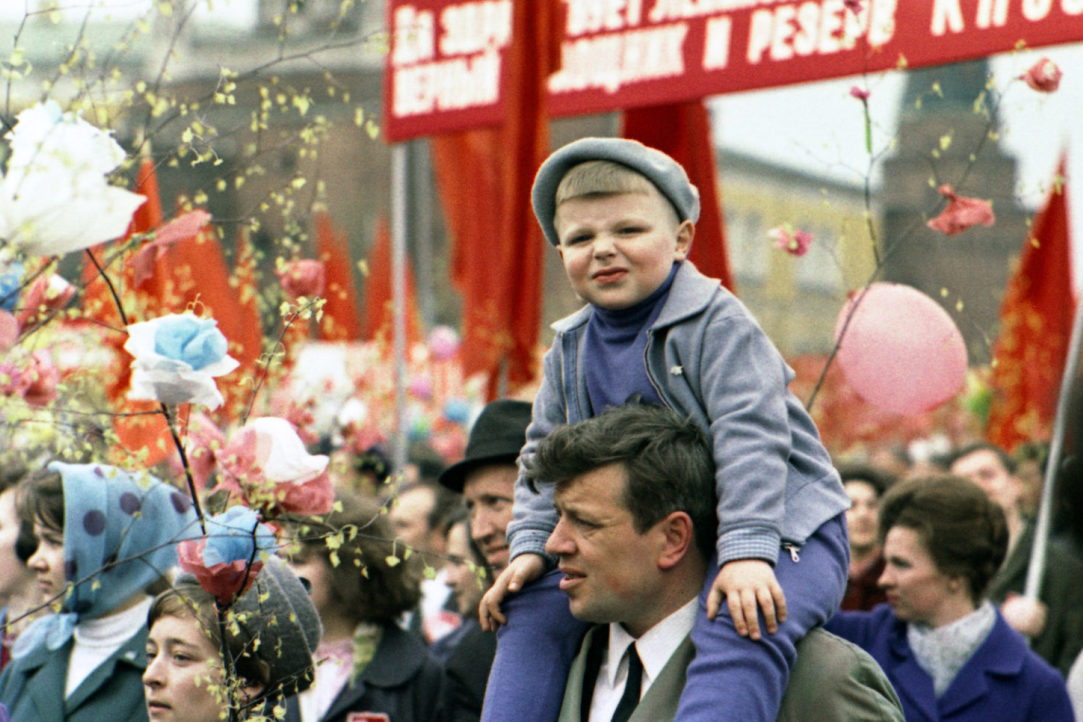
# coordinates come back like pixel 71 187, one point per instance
pixel 622 217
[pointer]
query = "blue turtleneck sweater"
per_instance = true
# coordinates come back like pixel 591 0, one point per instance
pixel 614 350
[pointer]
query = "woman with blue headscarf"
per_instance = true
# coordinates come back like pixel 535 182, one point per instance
pixel 104 536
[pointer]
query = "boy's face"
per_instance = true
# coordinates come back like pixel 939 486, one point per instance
pixel 619 248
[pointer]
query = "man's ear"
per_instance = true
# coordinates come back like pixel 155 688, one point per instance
pixel 677 538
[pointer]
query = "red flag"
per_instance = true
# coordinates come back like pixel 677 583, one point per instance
pixel 683 130
pixel 1036 328
pixel 340 318
pixel 378 291
pixel 485 179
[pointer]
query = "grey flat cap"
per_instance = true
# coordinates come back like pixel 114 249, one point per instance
pixel 665 173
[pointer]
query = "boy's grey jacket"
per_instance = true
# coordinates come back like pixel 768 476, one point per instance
pixel 709 359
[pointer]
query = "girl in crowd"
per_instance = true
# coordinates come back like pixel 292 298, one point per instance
pixel 945 648
pixel 103 537
pixel 366 663
pixel 270 633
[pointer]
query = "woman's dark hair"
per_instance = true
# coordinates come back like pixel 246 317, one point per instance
pixel 186 599
pixel 363 583
pixel 964 532
pixel 878 479
pixel 43 500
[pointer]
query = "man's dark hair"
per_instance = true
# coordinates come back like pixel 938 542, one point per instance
pixel 967 449
pixel 666 459
pixel 878 479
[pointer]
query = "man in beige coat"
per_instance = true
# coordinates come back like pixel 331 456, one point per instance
pixel 634 493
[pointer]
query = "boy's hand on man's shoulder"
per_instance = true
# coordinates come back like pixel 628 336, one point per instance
pixel 746 584
pixel 522 569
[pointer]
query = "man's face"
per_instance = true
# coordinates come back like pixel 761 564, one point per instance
pixel 610 570
pixel 862 518
pixel 619 248
pixel 984 468
pixel 410 517
pixel 488 491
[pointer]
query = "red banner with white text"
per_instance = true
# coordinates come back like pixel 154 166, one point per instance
pixel 445 70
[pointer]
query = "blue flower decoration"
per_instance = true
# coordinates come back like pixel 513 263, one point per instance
pixel 194 341
pixel 9 286
pixel 230 537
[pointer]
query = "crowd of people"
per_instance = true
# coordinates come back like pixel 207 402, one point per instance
pixel 659 534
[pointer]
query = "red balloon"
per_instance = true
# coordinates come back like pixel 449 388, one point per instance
pixel 901 350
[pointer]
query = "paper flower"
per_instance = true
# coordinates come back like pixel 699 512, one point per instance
pixel 46 292
pixel 54 198
pixel 11 279
pixel 35 380
pixel 302 278
pixel 177 358
pixel 961 213
pixel 1044 76
pixel 179 229
pixel 226 561
pixel 859 93
pixel 9 330
pixel 267 462
pixel 786 238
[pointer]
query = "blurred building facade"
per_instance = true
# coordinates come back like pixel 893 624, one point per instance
pixel 321 59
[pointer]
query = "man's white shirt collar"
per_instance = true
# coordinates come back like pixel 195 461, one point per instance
pixel 654 647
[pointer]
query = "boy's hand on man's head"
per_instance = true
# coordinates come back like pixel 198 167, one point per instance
pixel 522 569
pixel 746 584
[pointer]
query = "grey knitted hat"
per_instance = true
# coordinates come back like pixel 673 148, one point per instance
pixel 667 175
pixel 278 620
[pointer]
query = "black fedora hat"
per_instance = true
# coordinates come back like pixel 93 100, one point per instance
pixel 496 437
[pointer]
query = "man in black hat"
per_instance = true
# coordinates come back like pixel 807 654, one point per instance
pixel 486 479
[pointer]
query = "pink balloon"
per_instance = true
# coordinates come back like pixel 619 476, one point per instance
pixel 901 351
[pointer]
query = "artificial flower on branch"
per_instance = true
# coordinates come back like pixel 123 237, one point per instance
pixel 302 278
pixel 54 197
pixel 266 462
pixel 794 241
pixel 961 213
pixel 228 558
pixel 176 359
pixel 1044 76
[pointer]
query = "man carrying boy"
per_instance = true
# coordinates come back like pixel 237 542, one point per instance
pixel 635 490
pixel 622 218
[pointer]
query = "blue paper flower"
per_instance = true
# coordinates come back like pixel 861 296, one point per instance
pixel 230 537
pixel 194 341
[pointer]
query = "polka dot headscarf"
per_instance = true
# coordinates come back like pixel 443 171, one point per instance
pixel 120 534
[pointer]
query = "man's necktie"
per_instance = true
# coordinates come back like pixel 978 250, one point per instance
pixel 630 698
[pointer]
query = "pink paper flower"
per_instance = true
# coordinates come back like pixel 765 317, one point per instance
pixel 267 463
pixel 1044 76
pixel 303 278
pixel 49 292
pixel 853 6
pixel 859 93
pixel 227 560
pixel 961 213
pixel 794 241
pixel 9 330
pixel 444 343
pixel 35 380
pixel 178 229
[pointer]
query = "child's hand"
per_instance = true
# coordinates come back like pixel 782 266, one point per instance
pixel 744 583
pixel 523 568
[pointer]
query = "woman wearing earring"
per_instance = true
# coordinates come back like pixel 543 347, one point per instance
pixel 945 648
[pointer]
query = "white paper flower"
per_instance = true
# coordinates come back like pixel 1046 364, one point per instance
pixel 54 197
pixel 177 358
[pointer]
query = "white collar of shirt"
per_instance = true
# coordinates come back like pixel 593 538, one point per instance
pixel 654 647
